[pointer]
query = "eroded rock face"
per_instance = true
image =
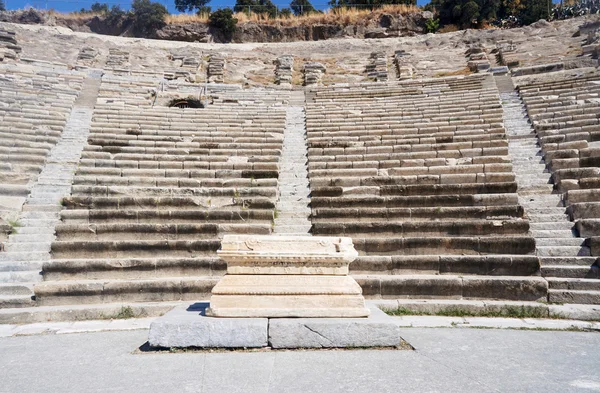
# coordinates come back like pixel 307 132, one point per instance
pixel 26 17
pixel 388 25
pixel 196 32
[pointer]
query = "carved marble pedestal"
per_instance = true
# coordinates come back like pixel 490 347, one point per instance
pixel 287 276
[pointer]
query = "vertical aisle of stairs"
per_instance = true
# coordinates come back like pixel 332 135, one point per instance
pixel 565 260
pixel 29 246
pixel 292 210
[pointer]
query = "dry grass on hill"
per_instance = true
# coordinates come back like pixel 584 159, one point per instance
pixel 343 16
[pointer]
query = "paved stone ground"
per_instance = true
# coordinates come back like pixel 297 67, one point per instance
pixel 445 360
pixel 416 321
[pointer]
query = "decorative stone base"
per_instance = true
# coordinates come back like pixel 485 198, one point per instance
pixel 188 327
pixel 276 296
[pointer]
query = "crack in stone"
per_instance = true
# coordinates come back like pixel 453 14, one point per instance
pixel 319 334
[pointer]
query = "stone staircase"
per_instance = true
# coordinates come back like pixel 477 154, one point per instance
pixel 28 247
pixel 565 259
pixel 293 212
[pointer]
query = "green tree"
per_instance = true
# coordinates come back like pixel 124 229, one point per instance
pixel 148 16
pixel 98 8
pixel 465 12
pixel 534 10
pixel 204 10
pixel 301 7
pixel 190 5
pixel 256 6
pixel 115 16
pixel 285 12
pixel 223 20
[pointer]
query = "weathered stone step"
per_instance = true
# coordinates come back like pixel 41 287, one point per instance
pixel 547 226
pixel 23 256
pixel 573 296
pixel 86 312
pixel 132 269
pixel 571 271
pixel 560 242
pixel 110 291
pixel 33 247
pixel 574 283
pixel 505 308
pixel 536 211
pixel 491 265
pixel 568 261
pixel 454 287
pixel 133 248
pixel 41 208
pixel 539 218
pixel 562 251
pixel 31 237
pixel 16 301
pixel 289 229
pixel 20 276
pixel 16 289
pixel 34 231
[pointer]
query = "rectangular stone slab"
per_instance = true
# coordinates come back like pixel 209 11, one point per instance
pixel 378 330
pixel 303 255
pixel 288 306
pixel 286 285
pixel 180 328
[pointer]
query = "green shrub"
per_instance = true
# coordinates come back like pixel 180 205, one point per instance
pixel 432 25
pixel 223 20
pixel 148 16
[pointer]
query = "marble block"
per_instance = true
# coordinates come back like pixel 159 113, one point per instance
pixel 304 255
pixel 378 330
pixel 185 327
pixel 287 276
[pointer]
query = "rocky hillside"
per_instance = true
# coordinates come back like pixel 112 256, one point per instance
pixel 382 26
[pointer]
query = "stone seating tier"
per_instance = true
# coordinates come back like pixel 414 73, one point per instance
pixel 418 173
pixel 160 187
pixel 565 114
pixel 36 102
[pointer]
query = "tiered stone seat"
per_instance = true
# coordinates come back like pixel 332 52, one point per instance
pixel 34 107
pixel 126 91
pixel 155 191
pixel 566 116
pixel 418 174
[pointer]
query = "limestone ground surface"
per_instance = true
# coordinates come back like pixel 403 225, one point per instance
pixel 444 360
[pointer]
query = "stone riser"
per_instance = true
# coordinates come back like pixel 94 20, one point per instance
pixel 411 228
pixel 374 287
pixel 445 245
pixel 166 232
pixel 133 249
pixel 573 297
pixel 167 203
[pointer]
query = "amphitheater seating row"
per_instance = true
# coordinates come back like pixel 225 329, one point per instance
pixel 566 117
pixel 418 174
pixel 155 191
pixel 34 107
